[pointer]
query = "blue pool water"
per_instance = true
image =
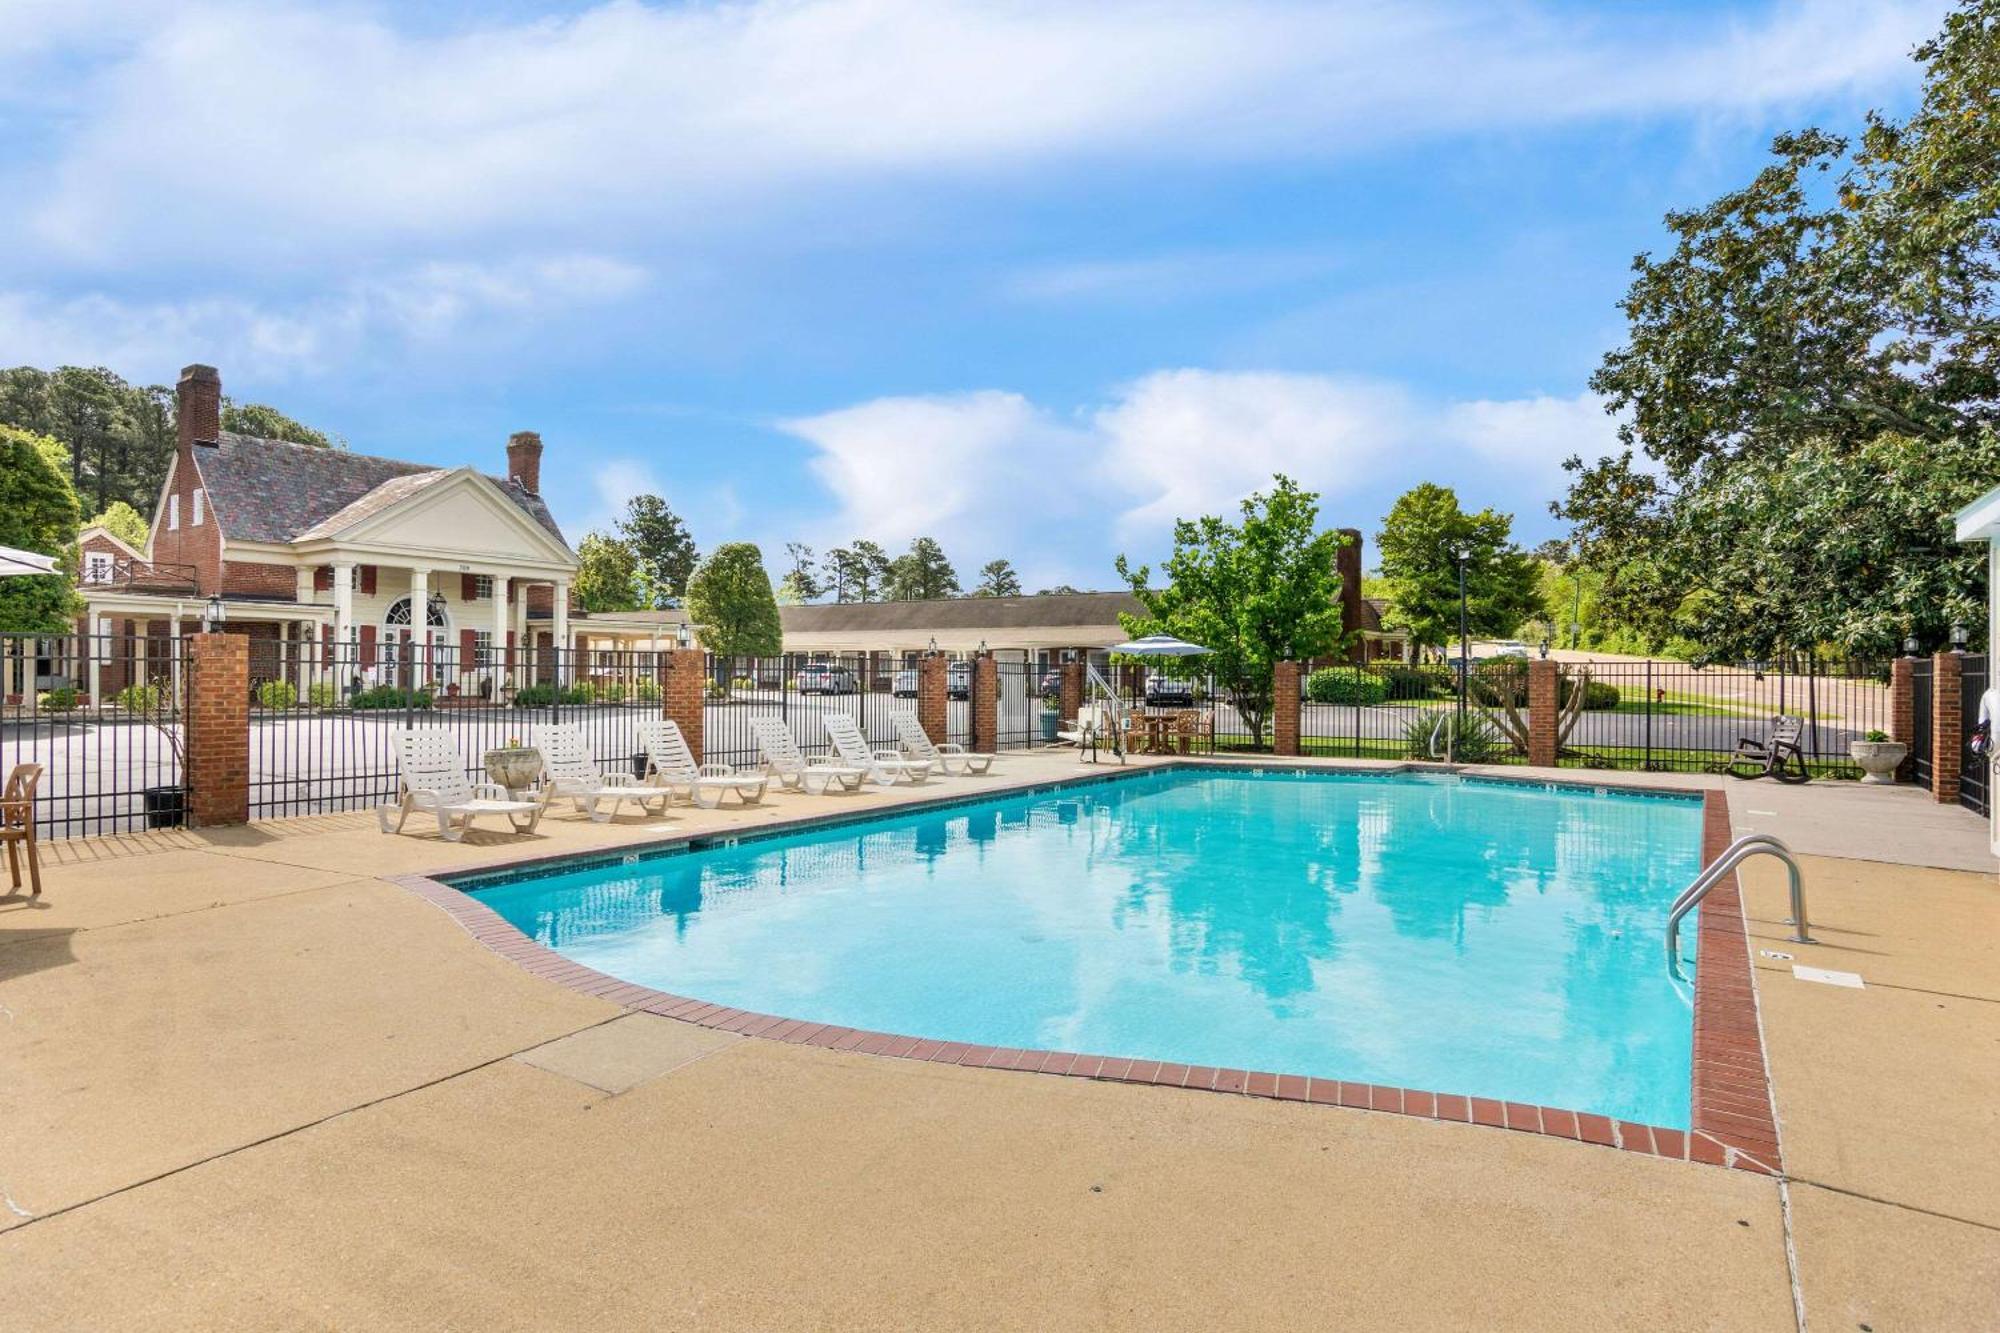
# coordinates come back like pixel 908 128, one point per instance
pixel 1496 939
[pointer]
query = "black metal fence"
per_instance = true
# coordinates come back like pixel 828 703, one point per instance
pixel 101 715
pixel 1975 771
pixel 1923 690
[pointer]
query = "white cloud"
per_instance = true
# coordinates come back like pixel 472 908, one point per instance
pixel 270 337
pixel 1187 442
pixel 282 131
pixel 1534 435
pixel 1165 277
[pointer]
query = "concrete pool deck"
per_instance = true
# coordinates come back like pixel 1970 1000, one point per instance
pixel 249 1081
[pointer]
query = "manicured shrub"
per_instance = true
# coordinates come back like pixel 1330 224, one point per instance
pixel 1475 743
pixel 646 692
pixel 61 699
pixel 541 696
pixel 277 694
pixel 1410 682
pixel 390 696
pixel 141 698
pixel 322 694
pixel 1346 685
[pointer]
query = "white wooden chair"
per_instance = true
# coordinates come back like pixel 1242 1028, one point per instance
pixel 432 778
pixel 950 757
pixel 785 761
pixel 569 771
pixel 671 763
pixel 884 766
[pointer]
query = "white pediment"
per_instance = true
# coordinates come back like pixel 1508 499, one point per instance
pixel 463 517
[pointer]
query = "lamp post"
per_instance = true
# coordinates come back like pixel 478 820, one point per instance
pixel 215 614
pixel 1464 553
pixel 1576 615
pixel 1959 636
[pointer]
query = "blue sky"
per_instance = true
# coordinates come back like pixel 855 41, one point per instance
pixel 1029 276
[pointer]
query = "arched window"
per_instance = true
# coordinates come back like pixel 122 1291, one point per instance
pixel 398 614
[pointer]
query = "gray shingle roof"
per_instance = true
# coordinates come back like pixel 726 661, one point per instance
pixel 276 491
pixel 1083 608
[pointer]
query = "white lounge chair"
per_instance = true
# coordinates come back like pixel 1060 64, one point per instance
pixel 569 771
pixel 432 778
pixel 671 763
pixel 884 766
pixel 950 757
pixel 785 761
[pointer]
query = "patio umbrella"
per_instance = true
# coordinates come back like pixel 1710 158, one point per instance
pixel 1159 645
pixel 13 562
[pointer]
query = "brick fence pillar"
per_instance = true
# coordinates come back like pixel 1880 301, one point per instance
pixel 1072 690
pixel 985 704
pixel 1285 707
pixel 1903 711
pixel 218 730
pixel 1947 746
pixel 1544 711
pixel 684 693
pixel 933 699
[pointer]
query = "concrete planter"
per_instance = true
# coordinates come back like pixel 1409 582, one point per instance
pixel 515 769
pixel 1878 759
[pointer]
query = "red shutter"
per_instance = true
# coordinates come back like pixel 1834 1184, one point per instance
pixel 367 647
pixel 468 649
pixel 510 650
pixel 468 587
pixel 368 580
pixel 323 578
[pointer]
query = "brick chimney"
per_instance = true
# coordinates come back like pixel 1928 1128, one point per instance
pixel 524 460
pixel 1348 565
pixel 197 407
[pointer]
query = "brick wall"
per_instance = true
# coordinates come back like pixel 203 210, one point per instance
pixel 684 693
pixel 1285 708
pixel 933 697
pixel 1072 690
pixel 1903 711
pixel 279 582
pixel 985 704
pixel 217 734
pixel 1544 712
pixel 1946 746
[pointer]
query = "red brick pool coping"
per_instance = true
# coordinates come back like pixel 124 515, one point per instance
pixel 1733 1122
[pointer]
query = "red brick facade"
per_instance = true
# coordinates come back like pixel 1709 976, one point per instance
pixel 985 704
pixel 684 692
pixel 1544 712
pixel 1903 711
pixel 933 702
pixel 1946 749
pixel 217 734
pixel 1285 708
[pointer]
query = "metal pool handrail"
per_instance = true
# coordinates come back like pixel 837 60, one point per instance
pixel 1745 847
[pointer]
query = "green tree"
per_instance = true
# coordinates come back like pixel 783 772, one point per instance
pixel 1833 318
pixel 38 512
pixel 607 575
pixel 801 583
pixel 1419 544
pixel 662 545
pixel 730 601
pixel 269 423
pixel 124 523
pixel 1254 593
pixel 858 572
pixel 1060 590
pixel 923 574
pixel 998 579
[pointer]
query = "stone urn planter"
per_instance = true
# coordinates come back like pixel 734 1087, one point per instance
pixel 515 767
pixel 1878 759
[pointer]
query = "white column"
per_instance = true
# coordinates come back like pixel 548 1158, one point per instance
pixel 497 671
pixel 343 612
pixel 304 591
pixel 561 628
pixel 420 622
pixel 95 645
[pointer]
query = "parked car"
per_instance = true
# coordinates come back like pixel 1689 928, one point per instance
pixel 1511 648
pixel 958 681
pixel 1167 692
pixel 905 684
pixel 826 680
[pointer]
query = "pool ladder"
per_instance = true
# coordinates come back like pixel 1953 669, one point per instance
pixel 1745 847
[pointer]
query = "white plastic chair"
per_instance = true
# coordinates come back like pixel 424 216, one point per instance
pixel 950 757
pixel 432 777
pixel 568 770
pixel 785 761
pixel 670 762
pixel 884 766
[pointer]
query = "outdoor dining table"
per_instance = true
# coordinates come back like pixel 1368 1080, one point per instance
pixel 1159 731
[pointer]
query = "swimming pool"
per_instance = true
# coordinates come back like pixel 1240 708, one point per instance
pixel 1484 937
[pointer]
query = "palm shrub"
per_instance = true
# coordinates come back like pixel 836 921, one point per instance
pixel 1474 742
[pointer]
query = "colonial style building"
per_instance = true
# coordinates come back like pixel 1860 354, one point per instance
pixel 451 576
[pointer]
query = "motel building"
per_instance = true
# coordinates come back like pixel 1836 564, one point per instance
pixel 448 578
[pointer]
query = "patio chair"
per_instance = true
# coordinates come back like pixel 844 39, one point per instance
pixel 669 761
pixel 17 826
pixel 884 766
pixel 432 777
pixel 1778 755
pixel 947 758
pixel 568 770
pixel 785 761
